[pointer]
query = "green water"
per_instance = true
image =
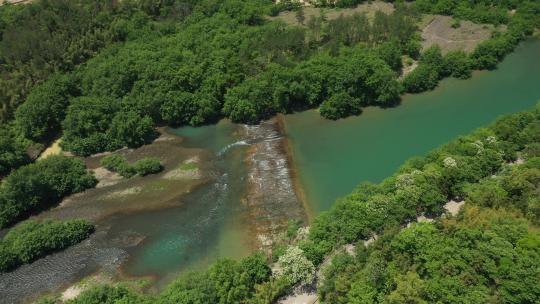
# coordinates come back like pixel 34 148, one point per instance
pixel 208 223
pixel 330 156
pixel 334 156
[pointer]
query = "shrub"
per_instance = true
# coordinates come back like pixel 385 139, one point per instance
pixel 117 163
pixel 40 185
pixel 149 165
pixel 34 239
pixel 142 167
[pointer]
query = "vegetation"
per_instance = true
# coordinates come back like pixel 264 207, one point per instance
pixel 227 59
pixel 423 185
pixel 12 151
pixel 37 186
pixel 489 252
pixel 42 38
pixel 482 256
pixel 142 167
pixel 148 63
pixel 34 239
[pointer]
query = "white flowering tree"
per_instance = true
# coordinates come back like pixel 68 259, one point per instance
pixel 295 267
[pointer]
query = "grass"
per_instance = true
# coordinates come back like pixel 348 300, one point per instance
pixel 188 166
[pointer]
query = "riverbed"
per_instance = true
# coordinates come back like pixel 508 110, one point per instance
pixel 227 188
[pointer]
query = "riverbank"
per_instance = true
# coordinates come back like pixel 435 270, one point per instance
pixel 116 200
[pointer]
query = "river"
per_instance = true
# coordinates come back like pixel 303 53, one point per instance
pixel 332 157
pixel 249 187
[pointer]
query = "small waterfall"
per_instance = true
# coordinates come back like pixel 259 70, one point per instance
pixel 271 195
pixel 229 146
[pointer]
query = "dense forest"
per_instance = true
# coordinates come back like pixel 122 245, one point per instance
pixel 142 64
pixel 488 253
pixel 102 75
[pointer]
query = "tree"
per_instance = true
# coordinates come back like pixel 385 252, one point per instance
pixel 340 105
pixel 12 152
pixel 424 77
pixel 131 129
pixel 37 186
pixel 295 267
pixel 410 290
pixel 40 117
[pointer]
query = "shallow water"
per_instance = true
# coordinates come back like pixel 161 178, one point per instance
pixel 332 157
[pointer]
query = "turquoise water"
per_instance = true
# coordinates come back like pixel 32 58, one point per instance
pixel 332 157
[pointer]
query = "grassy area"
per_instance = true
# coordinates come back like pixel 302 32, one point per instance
pixel 188 166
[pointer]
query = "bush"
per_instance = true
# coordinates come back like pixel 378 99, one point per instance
pixel 34 239
pixel 458 64
pixel 340 105
pixel 142 167
pixel 104 294
pixel 424 77
pixel 40 185
pixel 149 165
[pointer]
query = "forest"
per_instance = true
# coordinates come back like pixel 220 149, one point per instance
pixel 102 75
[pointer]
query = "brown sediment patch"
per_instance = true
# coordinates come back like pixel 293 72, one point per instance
pixel 106 178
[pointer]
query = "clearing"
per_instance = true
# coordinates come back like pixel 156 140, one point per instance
pixel 438 30
pixel 369 9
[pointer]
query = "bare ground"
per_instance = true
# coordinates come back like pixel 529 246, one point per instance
pixel 438 30
pixel 368 8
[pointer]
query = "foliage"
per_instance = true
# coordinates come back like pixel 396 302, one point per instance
pixel 40 185
pixel 148 165
pixel 105 294
pixel 142 167
pixel 12 151
pixel 476 257
pixel 226 281
pixel 424 185
pixel 294 266
pixel 34 239
pixel 44 37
